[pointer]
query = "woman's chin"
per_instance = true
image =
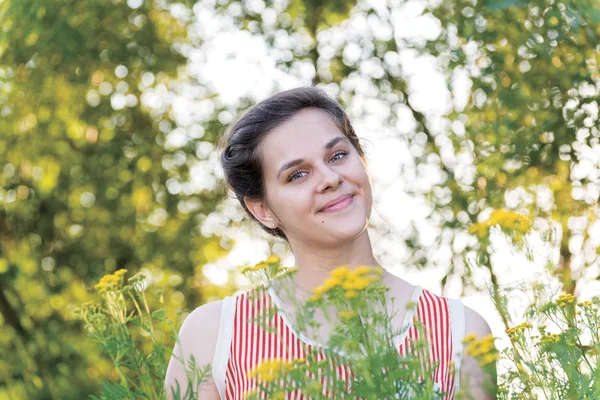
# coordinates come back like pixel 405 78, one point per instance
pixel 345 229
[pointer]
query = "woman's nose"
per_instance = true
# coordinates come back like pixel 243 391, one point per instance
pixel 329 179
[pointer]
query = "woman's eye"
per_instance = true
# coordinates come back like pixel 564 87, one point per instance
pixel 292 176
pixel 339 153
pixel 297 173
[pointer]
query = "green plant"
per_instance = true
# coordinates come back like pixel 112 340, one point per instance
pixel 361 341
pixel 135 339
pixel 554 354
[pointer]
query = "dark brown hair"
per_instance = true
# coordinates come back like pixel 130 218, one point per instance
pixel 241 159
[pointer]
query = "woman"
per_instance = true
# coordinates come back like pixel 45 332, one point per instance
pixel 295 164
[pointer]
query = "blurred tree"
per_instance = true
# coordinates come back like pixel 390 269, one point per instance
pixel 531 124
pixel 527 138
pixel 97 167
pixel 88 181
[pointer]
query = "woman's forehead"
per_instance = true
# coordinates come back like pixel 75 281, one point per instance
pixel 307 128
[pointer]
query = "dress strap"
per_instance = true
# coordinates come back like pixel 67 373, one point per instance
pixel 221 357
pixel 409 317
pixel 457 322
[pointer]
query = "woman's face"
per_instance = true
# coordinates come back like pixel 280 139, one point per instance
pixel 309 163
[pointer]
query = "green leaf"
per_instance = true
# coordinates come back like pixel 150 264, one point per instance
pixel 160 315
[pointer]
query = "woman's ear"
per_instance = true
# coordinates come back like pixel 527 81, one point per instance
pixel 260 211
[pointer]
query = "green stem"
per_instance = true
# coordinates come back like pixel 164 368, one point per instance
pixel 149 315
pixel 122 376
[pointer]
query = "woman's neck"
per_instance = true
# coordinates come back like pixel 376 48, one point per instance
pixel 315 266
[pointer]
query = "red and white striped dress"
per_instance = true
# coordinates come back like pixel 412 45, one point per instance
pixel 242 344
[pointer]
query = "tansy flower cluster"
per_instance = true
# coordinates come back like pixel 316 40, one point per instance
pixel 111 281
pixel 271 261
pixel 506 219
pixel 565 299
pixel 549 338
pixel 514 331
pixel 483 350
pixel 585 304
pixel 271 370
pixel 350 281
pixel 347 314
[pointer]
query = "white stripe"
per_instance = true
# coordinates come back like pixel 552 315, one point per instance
pixel 408 318
pixel 457 322
pixel 221 357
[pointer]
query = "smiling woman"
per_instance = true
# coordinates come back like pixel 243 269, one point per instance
pixel 257 160
pixel 297 168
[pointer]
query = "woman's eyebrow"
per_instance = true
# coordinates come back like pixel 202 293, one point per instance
pixel 328 146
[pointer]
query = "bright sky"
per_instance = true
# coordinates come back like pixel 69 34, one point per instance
pixel 236 63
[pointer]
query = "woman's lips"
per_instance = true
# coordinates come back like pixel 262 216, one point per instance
pixel 339 206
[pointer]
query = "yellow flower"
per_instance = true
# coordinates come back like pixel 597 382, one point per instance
pixel 479 229
pixel 521 327
pixel 372 273
pixel 350 294
pixel 486 347
pixel 363 270
pixel 316 297
pixel 488 358
pixel 348 284
pixel 271 370
pixel 347 314
pixel 351 281
pixel 551 338
pixel 340 272
pixel 469 338
pixel 473 351
pixel 480 347
pixel 259 266
pixel 362 283
pixel 109 280
pixel 506 219
pixel 585 304
pixel 100 287
pixel 120 272
pixel 565 299
pixel 327 286
pixel 272 259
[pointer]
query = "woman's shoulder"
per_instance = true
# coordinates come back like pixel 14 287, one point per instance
pixel 208 315
pixel 402 290
pixel 196 340
pixel 201 328
pixel 207 312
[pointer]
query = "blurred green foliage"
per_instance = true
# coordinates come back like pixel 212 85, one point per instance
pixel 83 182
pixel 532 120
pixel 89 186
pixel 527 138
